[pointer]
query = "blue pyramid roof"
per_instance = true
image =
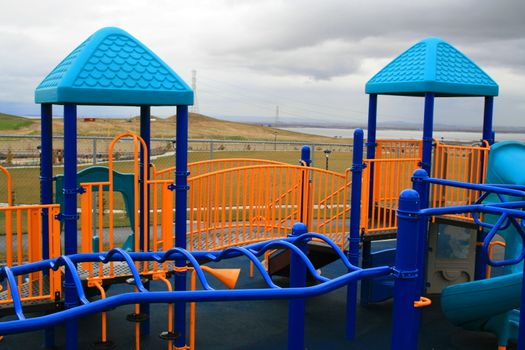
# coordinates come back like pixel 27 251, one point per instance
pixel 432 65
pixel 113 68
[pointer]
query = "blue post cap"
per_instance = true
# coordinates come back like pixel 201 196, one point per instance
pixel 299 229
pixel 419 174
pixel 306 155
pixel 358 133
pixel 408 201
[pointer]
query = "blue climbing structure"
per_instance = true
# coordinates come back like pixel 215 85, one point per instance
pixel 110 68
pixel 431 68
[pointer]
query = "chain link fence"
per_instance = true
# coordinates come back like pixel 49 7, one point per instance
pixel 21 156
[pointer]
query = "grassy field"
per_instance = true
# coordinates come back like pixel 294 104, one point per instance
pixel 10 122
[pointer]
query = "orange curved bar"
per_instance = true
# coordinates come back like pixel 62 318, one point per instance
pixel 422 302
pixel 488 273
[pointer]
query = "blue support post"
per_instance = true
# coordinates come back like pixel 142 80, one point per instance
pixel 371 143
pixel 422 188
pixel 428 126
pixel 181 189
pixel 296 307
pixel 46 170
pixel 70 216
pixel 46 190
pixel 145 134
pixel 372 127
pixel 355 226
pixel 488 135
pixel 488 132
pixel 521 331
pixel 305 161
pixel 405 322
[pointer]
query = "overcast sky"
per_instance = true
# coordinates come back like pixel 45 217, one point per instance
pixel 311 58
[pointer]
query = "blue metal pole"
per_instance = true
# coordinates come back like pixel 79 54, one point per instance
pixel 46 170
pixel 70 216
pixel 306 155
pixel 405 322
pixel 422 189
pixel 296 307
pixel 305 161
pixel 521 331
pixel 488 132
pixel 372 126
pixel 488 135
pixel 46 190
pixel 181 188
pixel 428 126
pixel 371 144
pixel 145 134
pixel 355 225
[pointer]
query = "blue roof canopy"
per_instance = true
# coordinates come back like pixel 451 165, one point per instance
pixel 113 68
pixel 432 65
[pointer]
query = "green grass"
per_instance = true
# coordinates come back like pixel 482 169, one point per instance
pixel 12 122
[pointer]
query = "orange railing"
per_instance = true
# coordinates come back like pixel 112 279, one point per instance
pixel 390 176
pixel 253 203
pixel 208 166
pixel 22 240
pixel 103 232
pixel 397 149
pixel 328 204
pixel 459 163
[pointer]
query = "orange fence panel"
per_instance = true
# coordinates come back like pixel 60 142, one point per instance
pixel 459 163
pixel 245 204
pixel 390 177
pixel 398 149
pixel 22 240
pixel 328 204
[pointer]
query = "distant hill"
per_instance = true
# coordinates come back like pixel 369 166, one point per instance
pixel 13 122
pixel 200 127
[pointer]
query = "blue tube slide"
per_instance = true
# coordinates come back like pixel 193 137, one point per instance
pixel 491 304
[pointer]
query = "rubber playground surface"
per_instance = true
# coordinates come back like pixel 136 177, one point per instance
pixel 261 325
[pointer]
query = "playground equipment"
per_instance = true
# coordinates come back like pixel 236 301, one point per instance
pixel 493 304
pixel 113 68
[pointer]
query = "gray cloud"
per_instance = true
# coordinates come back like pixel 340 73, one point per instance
pixel 311 57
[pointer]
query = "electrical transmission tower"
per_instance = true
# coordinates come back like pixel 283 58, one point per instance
pixel 195 107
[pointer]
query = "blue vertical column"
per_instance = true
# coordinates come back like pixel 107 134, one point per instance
pixel 488 135
pixel 488 131
pixel 521 331
pixel 405 322
pixel 145 134
pixel 296 307
pixel 181 188
pixel 144 235
pixel 46 170
pixel 70 216
pixel 422 188
pixel 355 225
pixel 372 127
pixel 371 142
pixel 306 160
pixel 428 126
pixel 46 189
pixel 370 154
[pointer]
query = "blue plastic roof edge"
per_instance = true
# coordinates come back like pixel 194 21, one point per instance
pixel 432 65
pixel 113 68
